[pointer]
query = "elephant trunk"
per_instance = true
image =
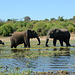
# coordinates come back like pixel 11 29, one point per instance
pixel 47 42
pixel 2 43
pixel 38 40
pixel 47 39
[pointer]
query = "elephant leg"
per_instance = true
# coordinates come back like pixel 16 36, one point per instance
pixel 47 42
pixel 54 42
pixel 61 42
pixel 28 43
pixel 67 42
pixel 25 45
pixel 12 43
pixel 15 46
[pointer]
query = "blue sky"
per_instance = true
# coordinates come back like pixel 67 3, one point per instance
pixel 36 9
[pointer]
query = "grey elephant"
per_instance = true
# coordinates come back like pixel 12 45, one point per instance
pixel 23 37
pixel 62 35
pixel 1 42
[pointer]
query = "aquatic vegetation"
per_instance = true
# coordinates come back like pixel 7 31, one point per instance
pixel 38 60
pixel 39 73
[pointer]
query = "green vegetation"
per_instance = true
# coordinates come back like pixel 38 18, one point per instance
pixel 40 26
pixel 34 52
pixel 38 73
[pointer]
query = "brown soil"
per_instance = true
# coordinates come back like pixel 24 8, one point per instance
pixel 41 38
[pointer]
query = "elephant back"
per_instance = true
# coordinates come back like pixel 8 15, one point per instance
pixel 65 32
pixel 18 34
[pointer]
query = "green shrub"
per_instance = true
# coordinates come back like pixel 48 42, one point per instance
pixel 18 25
pixel 5 30
pixel 19 30
pixel 1 23
pixel 40 27
pixel 29 25
pixel 70 28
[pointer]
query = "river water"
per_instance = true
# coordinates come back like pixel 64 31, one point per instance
pixel 37 59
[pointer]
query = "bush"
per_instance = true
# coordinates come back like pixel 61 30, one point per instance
pixel 5 30
pixel 40 28
pixel 19 25
pixel 71 27
pixel 29 25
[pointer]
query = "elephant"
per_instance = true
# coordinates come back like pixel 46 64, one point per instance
pixel 63 35
pixel 1 42
pixel 23 37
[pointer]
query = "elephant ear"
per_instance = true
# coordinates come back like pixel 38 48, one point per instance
pixel 57 33
pixel 29 33
pixel 26 34
pixel 32 34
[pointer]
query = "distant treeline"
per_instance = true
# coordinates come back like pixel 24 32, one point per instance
pixel 40 26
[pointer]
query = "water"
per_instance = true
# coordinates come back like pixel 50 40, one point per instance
pixel 39 59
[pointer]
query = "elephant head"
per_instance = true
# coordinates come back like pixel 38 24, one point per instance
pixel 33 34
pixel 1 42
pixel 53 33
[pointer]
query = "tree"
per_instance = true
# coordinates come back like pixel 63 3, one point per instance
pixel 9 19
pixel 52 19
pixel 73 17
pixel 5 30
pixel 29 25
pixel 14 20
pixel 60 18
pixel 27 18
pixel 40 28
pixel 46 19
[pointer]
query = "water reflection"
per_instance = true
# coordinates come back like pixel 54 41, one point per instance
pixel 61 58
pixel 58 61
pixel 62 51
pixel 40 60
pixel 27 53
pixel 20 56
pixel 20 53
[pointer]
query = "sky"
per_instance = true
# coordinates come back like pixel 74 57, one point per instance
pixel 36 9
